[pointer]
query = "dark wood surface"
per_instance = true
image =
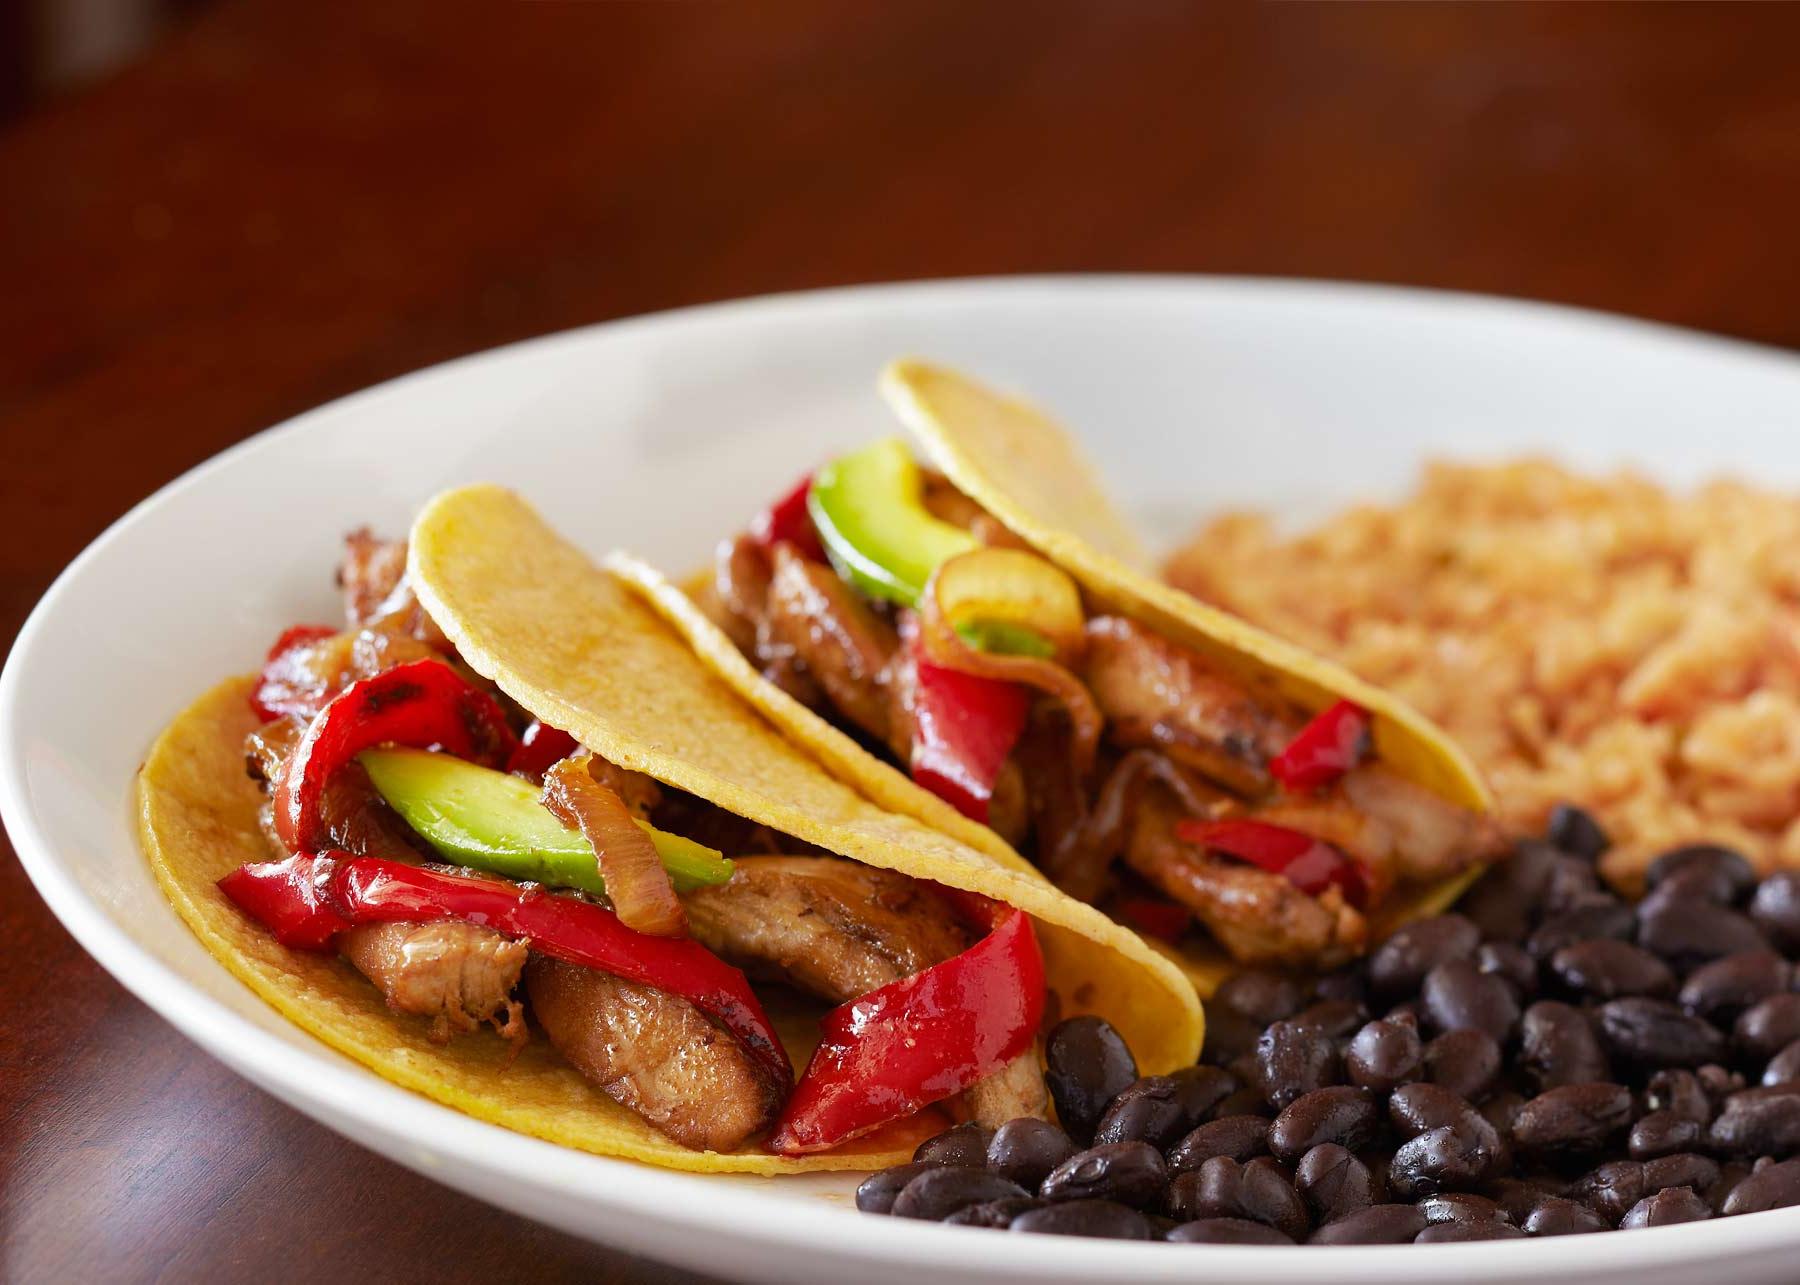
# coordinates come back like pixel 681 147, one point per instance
pixel 286 202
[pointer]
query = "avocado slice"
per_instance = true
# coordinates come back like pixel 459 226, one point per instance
pixel 869 510
pixel 492 820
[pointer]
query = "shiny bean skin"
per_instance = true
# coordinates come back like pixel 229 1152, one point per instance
pixel 943 1189
pixel 1575 831
pixel 1784 1067
pixel 1336 1017
pixel 1558 1045
pixel 1758 1122
pixel 1775 909
pixel 1729 877
pixel 1127 1173
pixel 1610 1189
pixel 1333 1182
pixel 1689 1169
pixel 1097 1218
pixel 1611 919
pixel 1026 1150
pixel 1652 1032
pixel 1603 969
pixel 1673 1205
pixel 1556 1216
pixel 1444 1159
pixel 1572 1118
pixel 992 1213
pixel 1347 1116
pixel 1223 1188
pixel 1679 1090
pixel 1384 1054
pixel 1721 990
pixel 1227 1231
pixel 1398 966
pixel 877 1193
pixel 1474 1229
pixel 1460 1206
pixel 1086 1065
pixel 1517 1197
pixel 966 1145
pixel 1767 1027
pixel 1663 1133
pixel 1376 1225
pixel 1459 996
pixel 1687 931
pixel 1146 1110
pixel 1241 1137
pixel 1774 1187
pixel 1260 995
pixel 1293 1060
pixel 1466 1062
pixel 1512 963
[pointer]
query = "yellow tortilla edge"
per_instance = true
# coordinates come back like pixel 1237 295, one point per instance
pixel 196 815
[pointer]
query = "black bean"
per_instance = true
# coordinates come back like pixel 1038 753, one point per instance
pixel 1673 1205
pixel 1501 1110
pixel 1656 1033
pixel 1513 963
pixel 1719 991
pixel 1130 1173
pixel 1557 1045
pixel 1689 1169
pixel 1503 903
pixel 1376 1225
pixel 943 1189
pixel 1572 1119
pixel 1688 932
pixel 1458 996
pixel 1384 1054
pixel 1098 1218
pixel 1241 1137
pixel 1604 969
pixel 1610 1189
pixel 1026 1150
pixel 1718 1083
pixel 1227 1231
pixel 1784 1067
pixel 1473 1229
pixel 966 1145
pixel 1727 876
pixel 1572 883
pixel 1663 1133
pixel 877 1192
pixel 1776 909
pixel 1774 1187
pixel 1609 919
pixel 1768 1026
pixel 1758 1122
pixel 1347 1116
pixel 1336 1017
pixel 1292 1060
pixel 1343 983
pixel 1223 1188
pixel 1399 964
pixel 1260 995
pixel 1557 1216
pixel 993 1213
pixel 1517 1197
pixel 1333 1182
pixel 1248 1100
pixel 1414 1108
pixel 1086 1066
pixel 1229 1036
pixel 1200 1089
pixel 1146 1110
pixel 1444 1159
pixel 1465 1062
pixel 1461 1206
pixel 1574 830
pixel 1679 1091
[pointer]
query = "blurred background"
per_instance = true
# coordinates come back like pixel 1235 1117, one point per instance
pixel 217 213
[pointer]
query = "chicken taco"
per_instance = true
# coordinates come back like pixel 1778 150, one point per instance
pixel 973 646
pixel 507 842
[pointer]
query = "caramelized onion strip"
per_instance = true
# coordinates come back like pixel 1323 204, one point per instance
pixel 636 882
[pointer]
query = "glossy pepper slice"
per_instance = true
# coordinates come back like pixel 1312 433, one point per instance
pixel 1335 741
pixel 964 726
pixel 313 898
pixel 919 1040
pixel 423 704
pixel 1310 864
pixel 788 520
pixel 869 510
pixel 539 748
pixel 283 687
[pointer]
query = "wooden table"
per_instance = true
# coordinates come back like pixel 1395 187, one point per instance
pixel 282 205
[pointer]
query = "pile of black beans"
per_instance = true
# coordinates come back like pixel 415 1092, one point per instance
pixel 1547 1060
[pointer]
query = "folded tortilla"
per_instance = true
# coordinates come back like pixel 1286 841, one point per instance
pixel 1029 474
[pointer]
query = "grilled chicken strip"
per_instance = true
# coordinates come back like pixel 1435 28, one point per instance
pixel 844 645
pixel 1260 918
pixel 371 571
pixel 653 1053
pixel 1014 1090
pixel 457 974
pixel 1154 693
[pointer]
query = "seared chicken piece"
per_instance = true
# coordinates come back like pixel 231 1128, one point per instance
pixel 1432 839
pixel 833 928
pixel 1014 1090
pixel 740 594
pixel 457 974
pixel 1259 917
pixel 843 644
pixel 653 1053
pixel 371 571
pixel 1154 693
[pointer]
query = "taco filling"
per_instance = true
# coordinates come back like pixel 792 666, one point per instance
pixel 483 870
pixel 1134 771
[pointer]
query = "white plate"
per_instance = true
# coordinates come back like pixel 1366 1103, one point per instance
pixel 667 432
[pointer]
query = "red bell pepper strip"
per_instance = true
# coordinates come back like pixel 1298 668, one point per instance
pixel 964 726
pixel 541 748
pixel 307 900
pixel 1161 919
pixel 787 519
pixel 280 689
pixel 1335 741
pixel 421 704
pixel 919 1040
pixel 1310 864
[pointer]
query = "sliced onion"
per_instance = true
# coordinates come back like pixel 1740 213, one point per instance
pixel 1011 590
pixel 1081 863
pixel 636 882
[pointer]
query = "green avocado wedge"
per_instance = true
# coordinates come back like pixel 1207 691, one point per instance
pixel 869 510
pixel 493 821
